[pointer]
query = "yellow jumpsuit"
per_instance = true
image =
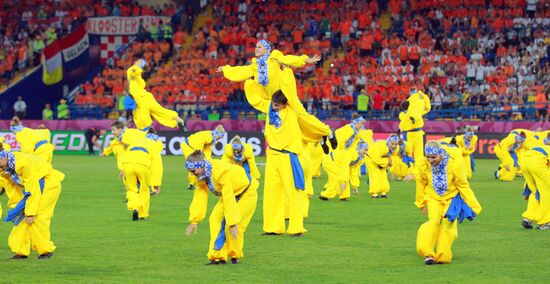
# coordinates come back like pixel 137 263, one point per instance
pixel 504 151
pixel 340 165
pixel 399 168
pixel 236 206
pixel 312 128
pixel 147 108
pixel 377 161
pixel 38 178
pixel 536 165
pixel 36 141
pixel 467 152
pixel 306 162
pixel 284 143
pixel 435 237
pixel 201 140
pixel 419 105
pixel 137 163
pixel 132 135
pixel 532 139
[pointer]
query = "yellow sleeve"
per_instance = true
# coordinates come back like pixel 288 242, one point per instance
pixel 133 74
pixel 30 183
pixel 463 186
pixel 108 150
pixel 199 204
pixel 201 139
pixel 157 169
pixel 249 156
pixel 505 145
pixel 238 73
pixel 227 153
pixel 346 157
pixel 13 191
pixel 366 135
pixel 289 60
pixel 343 134
pixel 379 154
pixel 253 93
pixel 421 171
pixel 427 103
pixel 230 209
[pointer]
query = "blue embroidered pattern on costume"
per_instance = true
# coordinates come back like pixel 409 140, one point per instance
pixel 263 77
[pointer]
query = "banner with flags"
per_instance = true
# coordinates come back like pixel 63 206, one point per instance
pixel 67 53
pixel 75 49
pixel 110 45
pixel 52 63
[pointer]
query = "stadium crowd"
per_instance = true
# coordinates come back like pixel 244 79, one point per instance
pixel 474 54
pixel 27 27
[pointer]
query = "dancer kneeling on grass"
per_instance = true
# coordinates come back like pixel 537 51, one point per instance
pixel 230 217
pixel 444 194
pixel 33 188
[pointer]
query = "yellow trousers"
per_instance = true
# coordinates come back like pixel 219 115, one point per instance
pixel 537 176
pixel 37 235
pixel 400 169
pixel 148 107
pixel 138 198
pixel 45 152
pixel 533 206
pixel 312 128
pixel 305 161
pixel 157 170
pixel 505 175
pixel 332 187
pixel 416 139
pixel 378 179
pixel 233 248
pixel 278 191
pixel 435 237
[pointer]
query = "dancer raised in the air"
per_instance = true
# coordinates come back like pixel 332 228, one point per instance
pixel 271 70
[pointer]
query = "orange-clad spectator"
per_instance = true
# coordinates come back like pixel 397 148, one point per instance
pixel 542 106
pixel 298 37
pixel 179 39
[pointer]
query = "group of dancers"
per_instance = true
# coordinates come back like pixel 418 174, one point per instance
pixel 298 146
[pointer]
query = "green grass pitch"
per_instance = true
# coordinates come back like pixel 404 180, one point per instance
pixel 363 240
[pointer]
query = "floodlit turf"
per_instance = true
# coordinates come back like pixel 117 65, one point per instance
pixel 362 240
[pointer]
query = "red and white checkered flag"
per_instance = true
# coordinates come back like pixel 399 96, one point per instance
pixel 109 46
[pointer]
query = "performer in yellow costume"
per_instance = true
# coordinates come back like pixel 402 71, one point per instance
pixel 402 161
pixel 339 166
pixel 202 140
pixel 139 167
pixel 146 107
pixel 507 152
pixel 242 154
pixel 232 214
pixel 284 176
pixel 378 160
pixel 536 166
pixel 34 141
pixel 411 121
pixel 444 194
pixel 270 70
pixel 33 188
pixel 467 143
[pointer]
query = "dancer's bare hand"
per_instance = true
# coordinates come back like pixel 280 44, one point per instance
pixel 409 177
pixel 30 220
pixel 313 60
pixel 424 210
pixel 219 69
pixel 191 229
pixel 234 231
